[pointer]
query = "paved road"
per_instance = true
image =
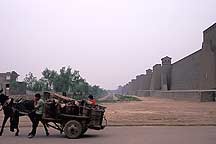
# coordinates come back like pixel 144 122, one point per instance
pixel 122 135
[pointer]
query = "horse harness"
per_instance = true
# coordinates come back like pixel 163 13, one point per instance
pixel 7 102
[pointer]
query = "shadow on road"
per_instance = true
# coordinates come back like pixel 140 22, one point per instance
pixel 39 136
pixel 91 136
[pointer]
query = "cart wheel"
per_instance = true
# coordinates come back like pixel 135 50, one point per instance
pixel 73 129
pixel 84 129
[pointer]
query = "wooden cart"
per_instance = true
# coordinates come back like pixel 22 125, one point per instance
pixel 72 117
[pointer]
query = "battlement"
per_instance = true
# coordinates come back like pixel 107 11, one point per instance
pixel 156 66
pixel 149 71
pixel 209 34
pixel 211 28
pixel 209 38
pixel 166 60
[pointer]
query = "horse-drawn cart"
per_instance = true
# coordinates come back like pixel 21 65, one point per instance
pixel 72 117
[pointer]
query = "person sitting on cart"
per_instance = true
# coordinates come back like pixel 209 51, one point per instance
pixel 91 100
pixel 36 116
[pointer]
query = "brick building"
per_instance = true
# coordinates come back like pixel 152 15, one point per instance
pixel 10 85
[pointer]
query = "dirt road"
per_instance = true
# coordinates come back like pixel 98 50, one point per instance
pixel 122 135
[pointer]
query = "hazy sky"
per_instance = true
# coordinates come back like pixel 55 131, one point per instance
pixel 108 41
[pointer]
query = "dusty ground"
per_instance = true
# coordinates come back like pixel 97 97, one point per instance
pixel 153 111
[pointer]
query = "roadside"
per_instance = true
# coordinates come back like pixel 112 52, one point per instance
pixel 156 111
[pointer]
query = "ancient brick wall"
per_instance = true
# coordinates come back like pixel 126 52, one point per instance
pixel 194 72
pixel 147 80
pixel 185 74
pixel 198 70
pixel 208 76
pixel 208 67
pixel 156 78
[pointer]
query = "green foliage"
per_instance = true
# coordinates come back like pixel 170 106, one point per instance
pixel 66 80
pixel 49 77
pixel 33 84
pixel 13 84
pixel 120 98
pixel 62 81
pixel 30 80
pixel 97 91
pixel 40 85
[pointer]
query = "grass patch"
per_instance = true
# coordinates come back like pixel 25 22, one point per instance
pixel 107 101
pixel 120 98
pixel 128 98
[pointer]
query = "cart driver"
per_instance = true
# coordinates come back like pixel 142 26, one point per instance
pixel 37 115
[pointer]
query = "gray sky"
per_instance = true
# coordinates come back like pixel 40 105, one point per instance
pixel 108 41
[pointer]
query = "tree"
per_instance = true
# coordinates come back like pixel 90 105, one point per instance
pixel 40 85
pixel 97 91
pixel 63 80
pixel 81 87
pixel 49 77
pixel 30 80
pixel 66 80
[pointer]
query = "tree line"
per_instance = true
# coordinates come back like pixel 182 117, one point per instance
pixel 65 81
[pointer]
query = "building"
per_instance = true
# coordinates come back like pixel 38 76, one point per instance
pixel 10 85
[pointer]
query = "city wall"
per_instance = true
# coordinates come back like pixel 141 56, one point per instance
pixel 191 78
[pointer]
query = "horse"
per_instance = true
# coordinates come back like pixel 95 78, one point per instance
pixel 14 110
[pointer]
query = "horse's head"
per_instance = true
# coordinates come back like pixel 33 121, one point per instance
pixel 3 99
